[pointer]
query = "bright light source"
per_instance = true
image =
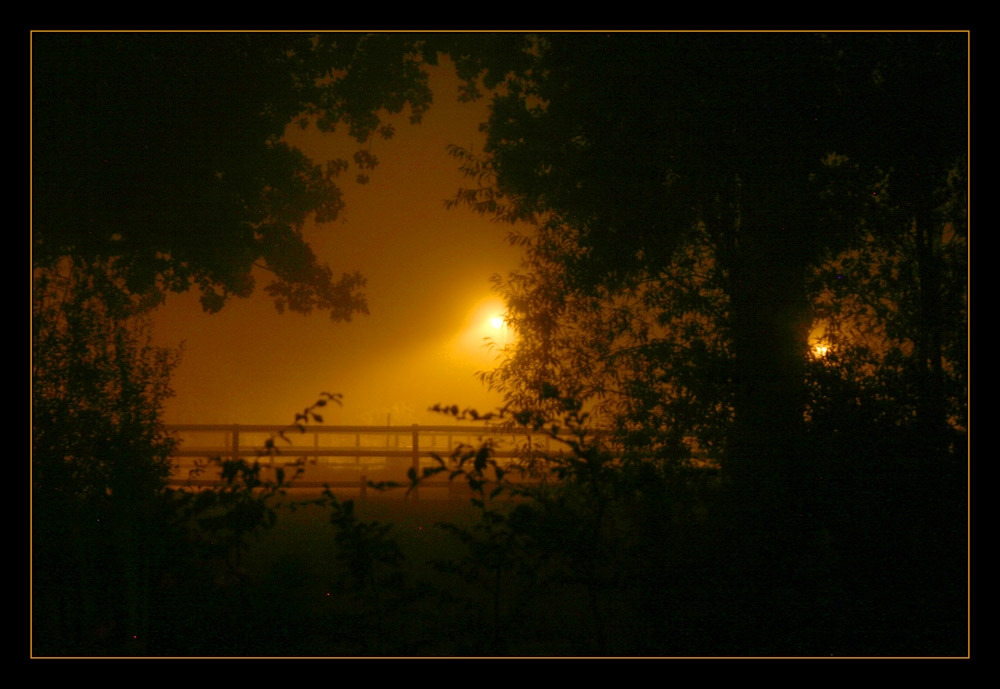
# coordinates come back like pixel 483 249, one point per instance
pixel 818 346
pixel 484 331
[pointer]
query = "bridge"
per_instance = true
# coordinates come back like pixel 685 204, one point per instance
pixel 346 456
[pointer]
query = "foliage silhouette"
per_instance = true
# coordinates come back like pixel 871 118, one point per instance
pixel 162 154
pixel 689 218
pixel 245 503
pixel 729 134
pixel 99 464
pixel 649 361
pixel 574 525
pixel 372 558
pixel 158 158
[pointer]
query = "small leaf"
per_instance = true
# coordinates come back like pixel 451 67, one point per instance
pixel 482 456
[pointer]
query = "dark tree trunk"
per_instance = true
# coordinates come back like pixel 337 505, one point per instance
pixel 769 322
pixel 770 318
pixel 931 408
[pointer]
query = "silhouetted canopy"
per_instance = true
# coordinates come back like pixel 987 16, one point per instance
pixel 163 153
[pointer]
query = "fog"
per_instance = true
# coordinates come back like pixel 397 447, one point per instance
pixel 429 297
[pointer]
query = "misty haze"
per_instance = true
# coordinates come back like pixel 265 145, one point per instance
pixel 499 344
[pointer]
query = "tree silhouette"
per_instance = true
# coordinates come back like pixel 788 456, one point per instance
pixel 787 151
pixel 157 166
pixel 908 144
pixel 631 140
pixel 692 194
pixel 100 461
pixel 648 360
pixel 163 152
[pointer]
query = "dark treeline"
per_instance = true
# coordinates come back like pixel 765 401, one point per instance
pixel 749 248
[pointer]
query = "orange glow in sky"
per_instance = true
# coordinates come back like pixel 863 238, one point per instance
pixel 429 296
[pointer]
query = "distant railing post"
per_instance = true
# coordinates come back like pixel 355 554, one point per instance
pixel 416 456
pixel 236 442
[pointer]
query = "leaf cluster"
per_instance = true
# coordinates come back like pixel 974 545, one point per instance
pixel 164 152
pixel 581 522
pixel 100 458
pixel 648 359
pixel 98 388
pixel 870 302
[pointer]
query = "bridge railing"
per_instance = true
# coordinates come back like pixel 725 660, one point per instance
pixel 348 455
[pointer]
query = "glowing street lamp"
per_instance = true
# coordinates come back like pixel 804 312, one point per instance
pixel 500 324
pixel 485 327
pixel 818 348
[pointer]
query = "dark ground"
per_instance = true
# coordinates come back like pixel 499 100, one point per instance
pixel 874 577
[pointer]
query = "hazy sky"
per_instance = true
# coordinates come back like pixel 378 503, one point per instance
pixel 429 297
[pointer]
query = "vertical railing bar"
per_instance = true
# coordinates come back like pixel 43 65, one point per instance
pixel 416 457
